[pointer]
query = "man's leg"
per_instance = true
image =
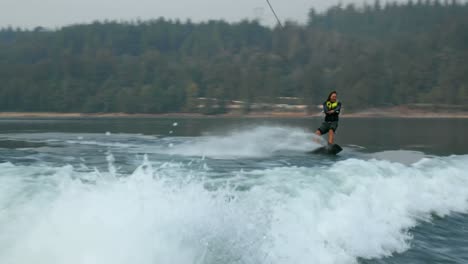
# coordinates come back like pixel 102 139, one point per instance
pixel 331 136
pixel 317 138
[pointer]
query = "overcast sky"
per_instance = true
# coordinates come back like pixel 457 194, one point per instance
pixel 57 13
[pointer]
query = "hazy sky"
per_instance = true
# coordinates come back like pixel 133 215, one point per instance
pixel 56 13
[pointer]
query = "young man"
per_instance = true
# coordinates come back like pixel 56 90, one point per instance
pixel 331 108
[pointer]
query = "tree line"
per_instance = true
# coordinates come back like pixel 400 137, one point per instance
pixel 373 55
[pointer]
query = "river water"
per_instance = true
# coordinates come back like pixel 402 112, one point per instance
pixel 232 190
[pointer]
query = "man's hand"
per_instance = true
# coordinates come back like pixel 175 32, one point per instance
pixel 331 112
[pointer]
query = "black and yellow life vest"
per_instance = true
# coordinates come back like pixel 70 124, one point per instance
pixel 331 105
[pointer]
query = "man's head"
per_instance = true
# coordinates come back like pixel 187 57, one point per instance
pixel 332 97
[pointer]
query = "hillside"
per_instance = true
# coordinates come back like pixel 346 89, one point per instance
pixel 374 56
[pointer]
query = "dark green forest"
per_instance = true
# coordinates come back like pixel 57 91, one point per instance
pixel 373 55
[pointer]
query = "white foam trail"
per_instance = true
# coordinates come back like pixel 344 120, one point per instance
pixel 170 213
pixel 260 141
pixel 102 144
pixel 365 208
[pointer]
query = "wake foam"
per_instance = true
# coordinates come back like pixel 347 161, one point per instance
pixel 260 141
pixel 364 209
pixel 179 213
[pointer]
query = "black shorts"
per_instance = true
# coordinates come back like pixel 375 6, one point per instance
pixel 326 126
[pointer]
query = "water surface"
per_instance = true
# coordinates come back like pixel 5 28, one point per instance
pixel 232 190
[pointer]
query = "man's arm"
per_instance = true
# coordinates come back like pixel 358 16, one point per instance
pixel 338 108
pixel 326 110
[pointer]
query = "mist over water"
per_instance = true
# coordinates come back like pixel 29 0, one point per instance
pixel 250 195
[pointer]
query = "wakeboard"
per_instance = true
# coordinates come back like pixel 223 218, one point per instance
pixel 327 150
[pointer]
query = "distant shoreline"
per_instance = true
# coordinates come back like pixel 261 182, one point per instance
pixel 371 113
